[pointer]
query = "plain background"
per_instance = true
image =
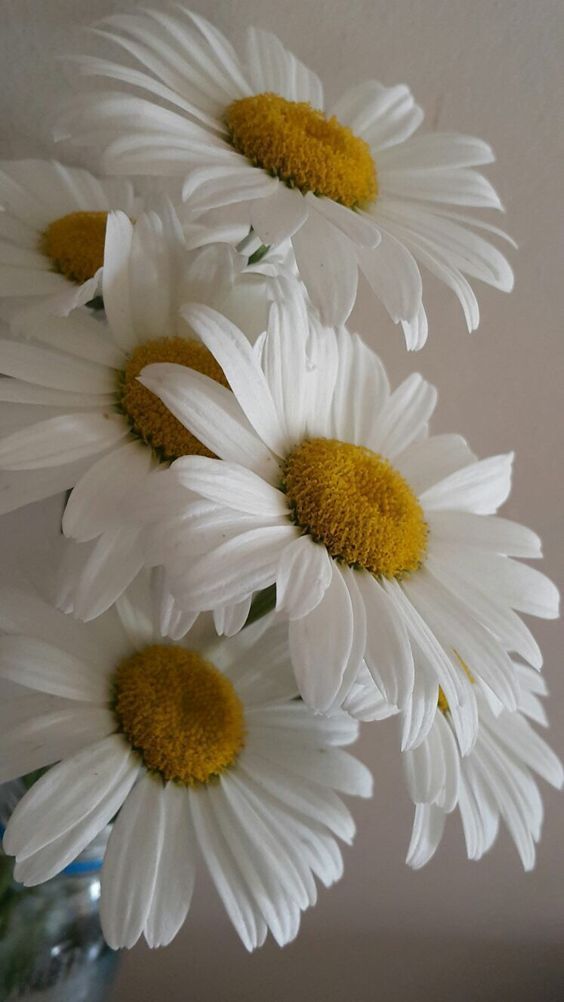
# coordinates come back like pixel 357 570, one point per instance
pixel 469 931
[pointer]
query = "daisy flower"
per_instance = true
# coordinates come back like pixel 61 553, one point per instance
pixel 198 748
pixel 77 414
pixel 348 183
pixel 52 232
pixel 495 782
pixel 381 540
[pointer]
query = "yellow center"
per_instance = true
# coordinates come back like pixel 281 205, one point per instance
pixel 180 713
pixel 149 418
pixel 75 244
pixel 302 147
pixel 357 505
pixel 442 701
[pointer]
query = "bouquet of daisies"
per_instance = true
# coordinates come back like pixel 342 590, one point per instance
pixel 263 544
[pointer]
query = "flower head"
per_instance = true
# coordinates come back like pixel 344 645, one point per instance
pixel 494 783
pixel 81 418
pixel 197 747
pixel 52 234
pixel 350 185
pixel 381 540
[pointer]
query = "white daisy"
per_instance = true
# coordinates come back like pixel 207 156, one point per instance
pixel 202 749
pixel 494 782
pixel 52 231
pixel 347 183
pixel 381 540
pixel 77 414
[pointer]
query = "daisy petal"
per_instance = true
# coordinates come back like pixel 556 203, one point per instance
pixel 280 215
pixel 231 485
pixel 212 414
pixel 39 665
pixel 383 116
pixel 321 644
pixel 327 265
pixel 480 487
pixel 68 806
pixel 404 416
pixel 273 68
pixel 60 440
pixel 241 565
pixel 388 651
pixel 428 827
pixel 245 377
pixel 304 574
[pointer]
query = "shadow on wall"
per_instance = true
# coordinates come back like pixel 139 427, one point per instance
pixel 199 967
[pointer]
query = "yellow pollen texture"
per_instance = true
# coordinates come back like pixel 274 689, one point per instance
pixel 356 504
pixel 180 713
pixel 149 418
pixel 302 147
pixel 75 244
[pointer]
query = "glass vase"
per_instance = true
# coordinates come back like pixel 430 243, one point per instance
pixel 51 943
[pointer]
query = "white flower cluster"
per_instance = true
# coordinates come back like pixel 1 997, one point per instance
pixel 272 544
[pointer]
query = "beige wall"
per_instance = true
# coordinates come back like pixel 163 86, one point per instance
pixel 493 68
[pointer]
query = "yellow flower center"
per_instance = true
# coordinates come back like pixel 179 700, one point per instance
pixel 180 713
pixel 149 418
pixel 75 244
pixel 442 701
pixel 357 505
pixel 302 147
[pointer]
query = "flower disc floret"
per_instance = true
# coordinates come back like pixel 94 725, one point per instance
pixel 356 504
pixel 75 244
pixel 302 147
pixel 149 418
pixel 179 712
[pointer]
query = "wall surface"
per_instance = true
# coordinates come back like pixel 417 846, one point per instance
pixel 492 68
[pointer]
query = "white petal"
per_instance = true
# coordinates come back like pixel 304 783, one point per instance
pixel 383 116
pixel 480 487
pixel 149 872
pixel 54 369
pixel 392 273
pixel 427 461
pixel 428 827
pixel 273 68
pixel 115 280
pixel 60 440
pixel 461 633
pixel 388 651
pixel 113 564
pixel 175 877
pixel 212 414
pixel 38 665
pixel 230 572
pixel 404 416
pixel 231 485
pixel 68 806
pixel 304 574
pixel 328 268
pixel 522 587
pixel 361 390
pixel 279 216
pixel 358 226
pixel 285 361
pixel 485 532
pixel 225 874
pixel 50 735
pixel 438 149
pixel 232 350
pixel 321 644
pixel 96 501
